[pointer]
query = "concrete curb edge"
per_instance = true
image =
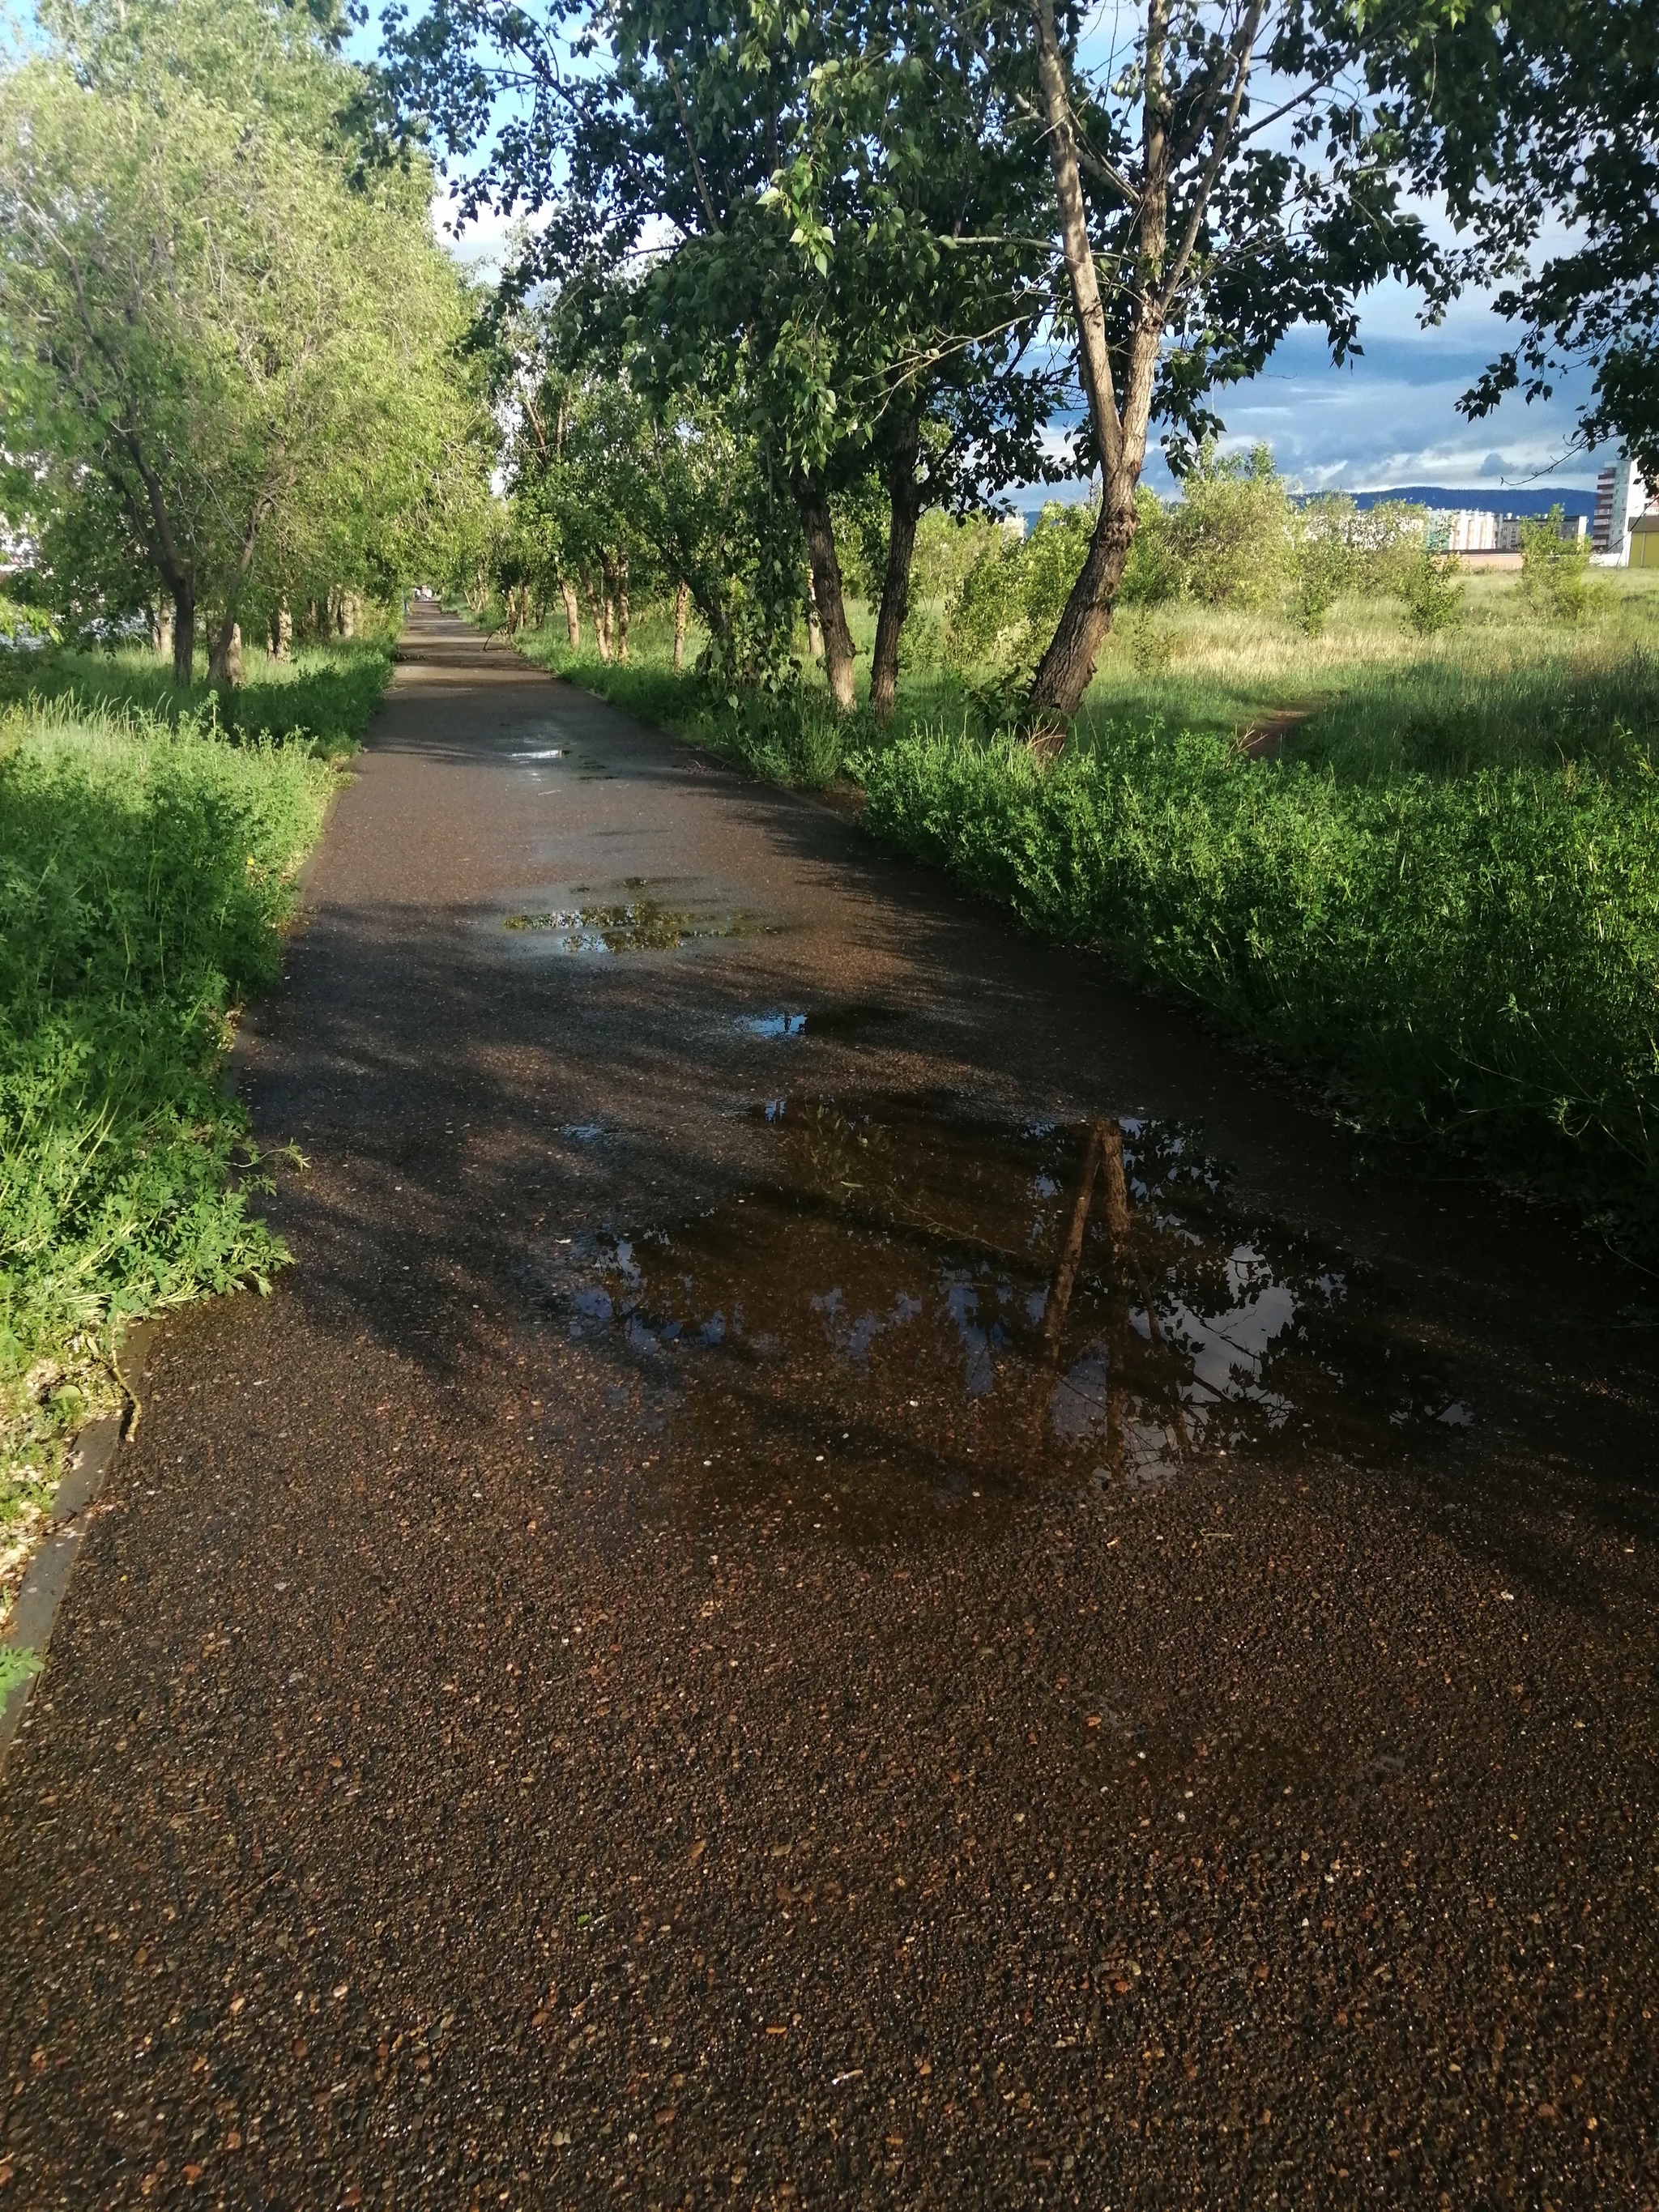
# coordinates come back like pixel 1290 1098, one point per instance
pixel 91 1458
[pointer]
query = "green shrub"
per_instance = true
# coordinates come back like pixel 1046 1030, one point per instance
pixel 921 641
pixel 1323 564
pixel 1479 956
pixel 985 620
pixel 1386 538
pixel 946 550
pixel 1431 592
pixel 1230 529
pixel 1554 569
pixel 1152 574
pixel 1005 608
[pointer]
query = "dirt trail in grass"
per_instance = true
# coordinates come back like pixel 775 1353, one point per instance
pixel 661 1662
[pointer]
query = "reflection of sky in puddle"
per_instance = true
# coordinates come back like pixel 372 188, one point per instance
pixel 774 1025
pixel 887 1295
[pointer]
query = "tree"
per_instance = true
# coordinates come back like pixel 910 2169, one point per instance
pixel 1219 182
pixel 213 329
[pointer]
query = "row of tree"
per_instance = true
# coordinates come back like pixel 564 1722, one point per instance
pixel 785 268
pixel 232 348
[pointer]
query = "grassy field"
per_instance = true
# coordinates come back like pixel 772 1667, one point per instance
pixel 324 696
pixel 1367 698
pixel 1442 889
pixel 149 846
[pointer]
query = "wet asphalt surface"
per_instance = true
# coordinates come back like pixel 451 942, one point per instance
pixel 648 1671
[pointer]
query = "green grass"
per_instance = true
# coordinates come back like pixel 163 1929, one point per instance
pixel 1504 688
pixel 1366 699
pixel 148 846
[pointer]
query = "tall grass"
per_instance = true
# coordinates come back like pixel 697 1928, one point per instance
pixel 147 866
pixel 1452 715
pixel 1365 698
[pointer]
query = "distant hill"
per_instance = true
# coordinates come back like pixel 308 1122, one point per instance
pixel 1484 499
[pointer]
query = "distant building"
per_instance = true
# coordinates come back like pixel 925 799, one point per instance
pixel 1477 530
pixel 1622 506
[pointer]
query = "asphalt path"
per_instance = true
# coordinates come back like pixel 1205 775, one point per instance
pixel 678 1659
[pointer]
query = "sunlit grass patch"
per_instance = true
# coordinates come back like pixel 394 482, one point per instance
pixel 323 695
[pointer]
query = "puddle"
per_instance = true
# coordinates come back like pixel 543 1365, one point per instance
pixel 632 925
pixel 587 769
pixel 913 1313
pixel 844 1021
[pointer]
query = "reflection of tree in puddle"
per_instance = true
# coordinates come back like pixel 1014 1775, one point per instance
pixel 919 1297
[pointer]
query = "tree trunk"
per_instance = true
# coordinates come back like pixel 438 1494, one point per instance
pixel 573 619
pixel 1119 425
pixel 682 609
pixel 813 504
pixel 285 633
pixel 184 637
pixel 1064 672
pixel 348 614
pixel 621 608
pixel 600 610
pixel 906 495
pixel 225 660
